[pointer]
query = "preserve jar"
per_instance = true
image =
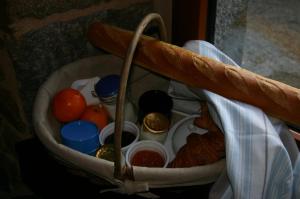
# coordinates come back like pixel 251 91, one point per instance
pixel 107 89
pixel 155 127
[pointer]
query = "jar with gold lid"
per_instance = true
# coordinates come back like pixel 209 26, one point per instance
pixel 107 152
pixel 155 127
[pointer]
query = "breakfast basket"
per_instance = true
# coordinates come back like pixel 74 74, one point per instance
pixel 185 67
pixel 129 180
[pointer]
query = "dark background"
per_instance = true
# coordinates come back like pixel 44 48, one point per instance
pixel 48 178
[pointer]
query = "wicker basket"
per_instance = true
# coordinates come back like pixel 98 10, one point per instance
pixel 129 180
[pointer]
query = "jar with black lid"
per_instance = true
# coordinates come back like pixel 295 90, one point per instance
pixel 154 101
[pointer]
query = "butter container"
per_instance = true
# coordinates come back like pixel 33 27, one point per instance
pixel 155 127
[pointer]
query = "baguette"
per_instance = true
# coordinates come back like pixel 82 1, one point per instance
pixel 275 98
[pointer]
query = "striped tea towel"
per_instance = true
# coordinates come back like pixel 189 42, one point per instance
pixel 262 159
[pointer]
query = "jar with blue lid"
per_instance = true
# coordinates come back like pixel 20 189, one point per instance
pixel 107 89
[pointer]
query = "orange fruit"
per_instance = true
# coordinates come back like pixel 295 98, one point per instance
pixel 68 105
pixel 97 114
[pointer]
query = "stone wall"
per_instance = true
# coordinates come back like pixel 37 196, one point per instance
pixel 19 9
pixel 230 27
pixel 43 35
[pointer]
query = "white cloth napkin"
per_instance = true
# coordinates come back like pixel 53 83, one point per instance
pixel 262 159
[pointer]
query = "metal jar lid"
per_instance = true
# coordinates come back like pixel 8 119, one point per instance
pixel 156 123
pixel 106 152
pixel 108 86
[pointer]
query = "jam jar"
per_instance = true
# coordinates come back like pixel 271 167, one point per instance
pixel 155 127
pixel 107 89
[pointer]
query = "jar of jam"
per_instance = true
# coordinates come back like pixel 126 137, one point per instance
pixel 107 89
pixel 155 127
pixel 148 158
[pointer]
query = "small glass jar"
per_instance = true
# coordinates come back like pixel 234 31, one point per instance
pixel 155 127
pixel 107 89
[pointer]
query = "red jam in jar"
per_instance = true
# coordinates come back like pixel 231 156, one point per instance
pixel 147 158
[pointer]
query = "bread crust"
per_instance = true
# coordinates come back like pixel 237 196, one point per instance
pixel 275 98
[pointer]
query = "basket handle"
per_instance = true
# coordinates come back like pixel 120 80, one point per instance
pixel 118 172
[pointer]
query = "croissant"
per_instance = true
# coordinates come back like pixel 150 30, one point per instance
pixel 201 149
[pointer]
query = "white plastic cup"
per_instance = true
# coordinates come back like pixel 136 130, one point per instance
pixel 147 145
pixel 110 129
